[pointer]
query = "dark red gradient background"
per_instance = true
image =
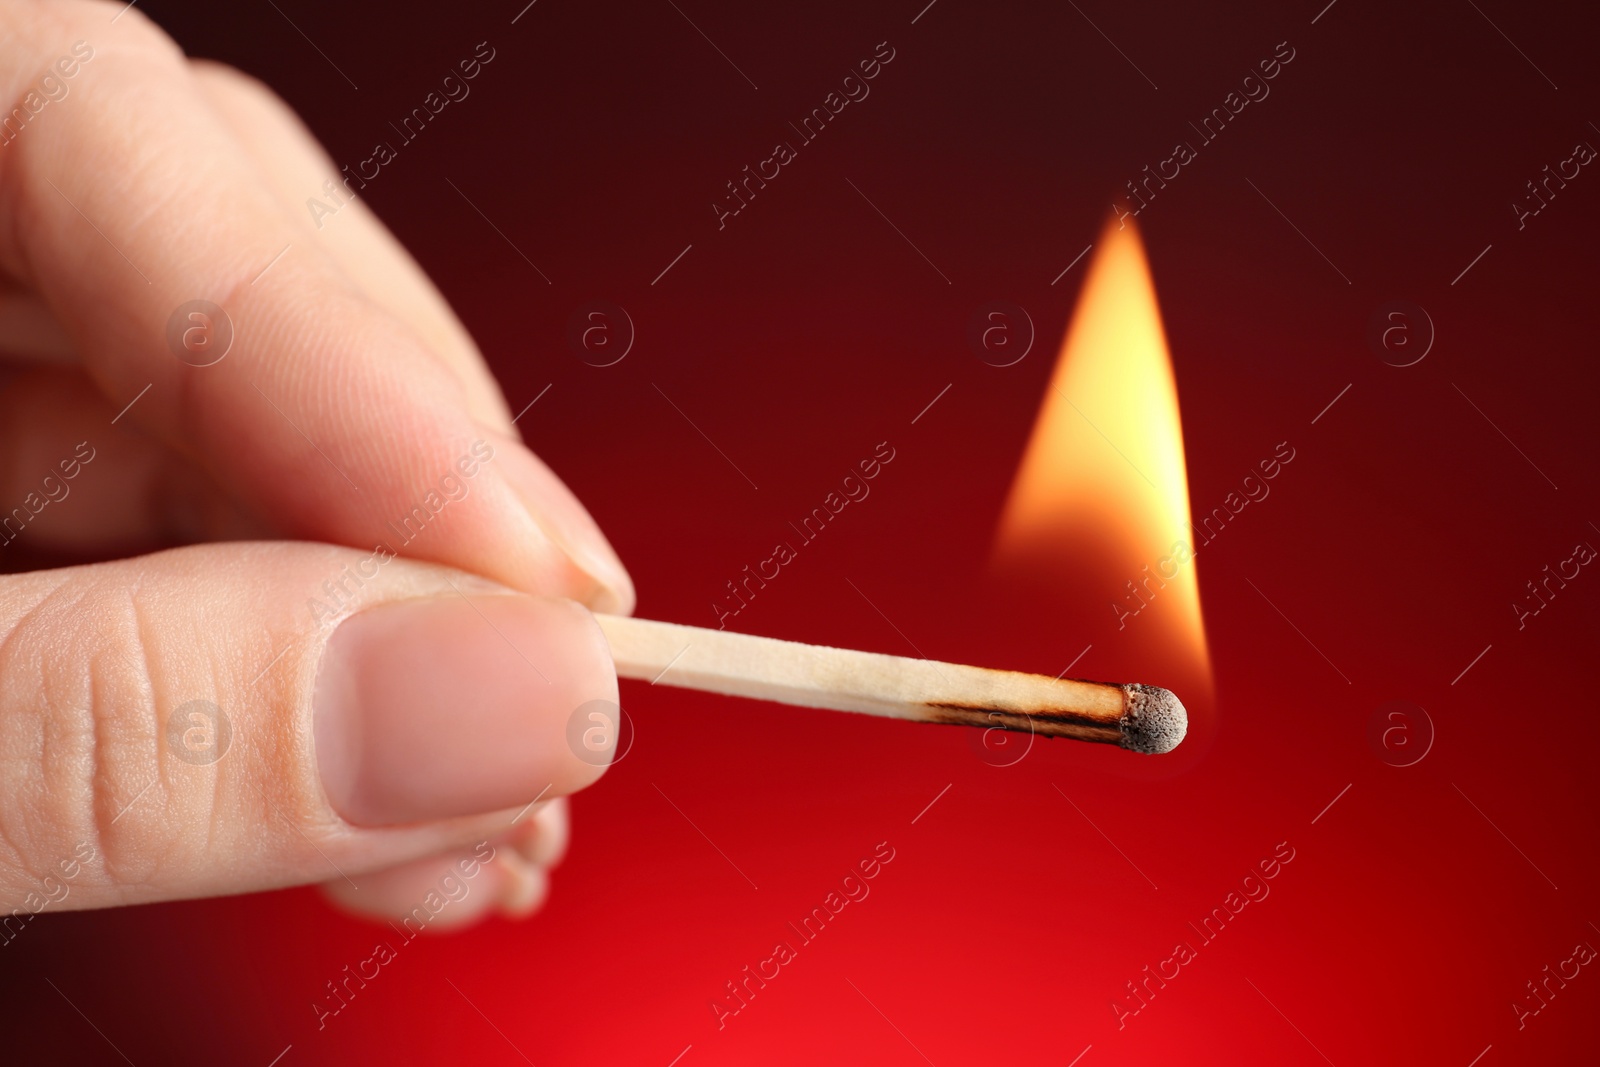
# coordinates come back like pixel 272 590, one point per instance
pixel 807 331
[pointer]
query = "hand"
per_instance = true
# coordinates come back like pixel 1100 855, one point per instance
pixel 370 711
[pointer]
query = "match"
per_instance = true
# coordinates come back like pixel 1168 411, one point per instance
pixel 1140 718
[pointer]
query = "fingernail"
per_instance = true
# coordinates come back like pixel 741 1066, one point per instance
pixel 541 838
pixel 524 888
pixel 567 523
pixel 459 705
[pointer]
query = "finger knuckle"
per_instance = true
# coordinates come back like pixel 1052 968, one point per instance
pixel 231 79
pixel 81 731
pixel 113 20
pixel 47 26
pixel 49 745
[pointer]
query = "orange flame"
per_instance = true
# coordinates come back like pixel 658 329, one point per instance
pixel 1103 482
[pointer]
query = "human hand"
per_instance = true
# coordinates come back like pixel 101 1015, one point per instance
pixel 242 715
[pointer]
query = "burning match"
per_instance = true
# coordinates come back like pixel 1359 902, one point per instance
pixel 1140 718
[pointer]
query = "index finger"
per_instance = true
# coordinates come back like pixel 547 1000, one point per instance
pixel 129 208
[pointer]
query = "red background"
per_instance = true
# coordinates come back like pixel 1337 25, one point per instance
pixel 805 332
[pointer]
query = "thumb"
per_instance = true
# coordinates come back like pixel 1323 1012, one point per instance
pixel 228 718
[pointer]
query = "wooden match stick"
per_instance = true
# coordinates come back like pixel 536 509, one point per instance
pixel 1141 718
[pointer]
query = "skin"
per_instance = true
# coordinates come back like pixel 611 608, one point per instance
pixel 155 181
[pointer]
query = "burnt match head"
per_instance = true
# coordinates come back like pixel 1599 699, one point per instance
pixel 1153 720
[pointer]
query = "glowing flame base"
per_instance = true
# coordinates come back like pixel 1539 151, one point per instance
pixel 1102 486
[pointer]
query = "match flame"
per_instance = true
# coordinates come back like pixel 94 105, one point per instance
pixel 1103 482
